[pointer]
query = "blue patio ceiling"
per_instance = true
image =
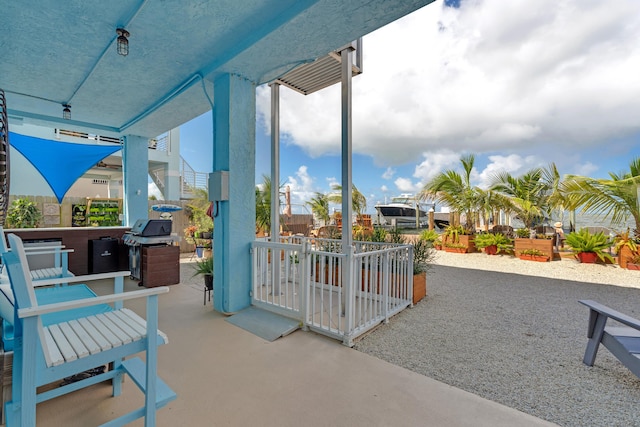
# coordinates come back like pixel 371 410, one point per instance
pixel 56 52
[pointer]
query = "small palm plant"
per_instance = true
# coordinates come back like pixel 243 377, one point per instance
pixel 499 241
pixel 584 241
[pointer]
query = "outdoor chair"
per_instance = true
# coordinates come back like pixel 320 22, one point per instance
pixel 49 348
pixel 507 230
pixel 622 341
pixel 59 255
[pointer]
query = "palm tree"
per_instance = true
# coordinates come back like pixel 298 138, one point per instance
pixel 488 203
pixel 358 201
pixel 618 197
pixel 557 199
pixel 319 205
pixel 529 194
pixel 454 190
pixel 263 205
pixel 197 210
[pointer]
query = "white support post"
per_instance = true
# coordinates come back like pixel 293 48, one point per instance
pixel 275 186
pixel 347 194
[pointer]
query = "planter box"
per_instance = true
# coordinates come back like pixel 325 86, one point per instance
pixel 419 287
pixel 624 256
pixel 463 240
pixel 468 242
pixel 538 258
pixel 455 250
pixel 543 245
pixel 328 276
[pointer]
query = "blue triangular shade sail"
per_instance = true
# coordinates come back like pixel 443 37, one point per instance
pixel 60 163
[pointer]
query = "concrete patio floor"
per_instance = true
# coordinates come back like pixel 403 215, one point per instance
pixel 225 376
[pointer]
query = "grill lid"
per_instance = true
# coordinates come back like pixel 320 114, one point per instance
pixel 152 227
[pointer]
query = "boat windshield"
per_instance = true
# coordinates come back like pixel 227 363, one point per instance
pixel 402 199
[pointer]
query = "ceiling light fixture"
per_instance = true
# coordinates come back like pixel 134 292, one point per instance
pixel 66 112
pixel 122 42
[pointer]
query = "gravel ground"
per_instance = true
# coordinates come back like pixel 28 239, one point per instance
pixel 513 332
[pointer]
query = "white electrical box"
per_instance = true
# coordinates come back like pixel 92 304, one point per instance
pixel 219 186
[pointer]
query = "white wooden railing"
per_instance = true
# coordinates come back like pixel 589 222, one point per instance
pixel 303 278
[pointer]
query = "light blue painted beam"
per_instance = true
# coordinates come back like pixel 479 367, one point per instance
pixel 59 120
pixel 234 225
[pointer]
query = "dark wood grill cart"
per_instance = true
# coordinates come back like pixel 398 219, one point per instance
pixel 153 258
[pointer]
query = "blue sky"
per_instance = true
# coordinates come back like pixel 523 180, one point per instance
pixel 520 84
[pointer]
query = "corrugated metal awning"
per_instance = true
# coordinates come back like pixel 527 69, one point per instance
pixel 321 73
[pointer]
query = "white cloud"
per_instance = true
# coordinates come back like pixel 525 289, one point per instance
pixel 388 174
pixel 434 163
pixel 332 181
pixel 585 169
pixel 384 188
pixel 492 76
pixel 301 187
pixel 405 185
pixel 513 164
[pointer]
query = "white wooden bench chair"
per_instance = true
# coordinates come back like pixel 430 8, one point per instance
pixel 622 341
pixel 59 254
pixel 44 354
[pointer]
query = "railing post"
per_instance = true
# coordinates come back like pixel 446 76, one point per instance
pixel 348 283
pixel 409 291
pixel 385 285
pixel 305 282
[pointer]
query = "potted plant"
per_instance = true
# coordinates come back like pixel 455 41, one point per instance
pixel 458 235
pixel 625 246
pixel 634 262
pixel 438 243
pixel 492 243
pixel 588 247
pixel 423 255
pixel 204 267
pixel 23 213
pixel 429 236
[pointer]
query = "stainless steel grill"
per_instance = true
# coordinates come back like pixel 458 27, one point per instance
pixel 146 232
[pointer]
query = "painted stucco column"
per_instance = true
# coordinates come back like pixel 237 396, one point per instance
pixel 135 178
pixel 234 122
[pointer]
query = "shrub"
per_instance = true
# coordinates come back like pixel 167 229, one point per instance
pixel 23 213
pixel 584 241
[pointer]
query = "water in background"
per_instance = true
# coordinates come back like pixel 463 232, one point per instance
pixel 586 220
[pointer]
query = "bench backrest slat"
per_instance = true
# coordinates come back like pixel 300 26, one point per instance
pixel 25 297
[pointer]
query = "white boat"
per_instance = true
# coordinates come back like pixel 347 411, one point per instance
pixel 402 211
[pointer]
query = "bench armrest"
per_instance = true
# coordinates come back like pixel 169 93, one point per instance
pixel 84 278
pixel 612 314
pixel 87 302
pixel 47 251
pixel 43 248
